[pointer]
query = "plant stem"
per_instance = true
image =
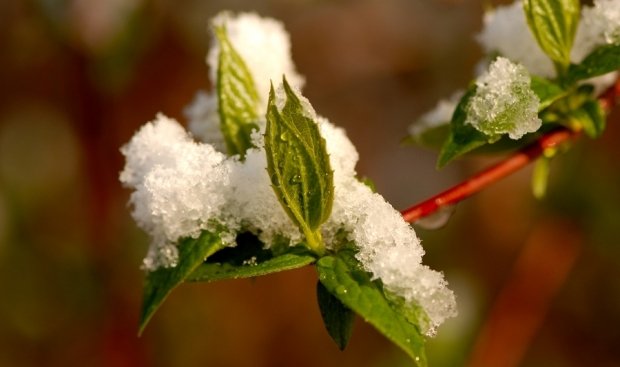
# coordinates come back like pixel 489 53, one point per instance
pixel 502 169
pixel 314 241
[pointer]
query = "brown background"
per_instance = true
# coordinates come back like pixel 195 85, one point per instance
pixel 538 283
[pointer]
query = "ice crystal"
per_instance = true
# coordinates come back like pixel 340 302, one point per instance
pixel 504 103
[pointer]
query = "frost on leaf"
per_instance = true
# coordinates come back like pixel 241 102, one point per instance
pixel 504 103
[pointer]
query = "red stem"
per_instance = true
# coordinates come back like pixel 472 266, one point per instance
pixel 502 169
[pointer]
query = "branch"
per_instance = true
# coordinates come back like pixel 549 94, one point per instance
pixel 502 169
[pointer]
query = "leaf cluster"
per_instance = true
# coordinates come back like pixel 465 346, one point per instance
pixel 565 100
pixel 302 180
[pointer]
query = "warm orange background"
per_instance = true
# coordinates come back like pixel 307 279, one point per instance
pixel 538 283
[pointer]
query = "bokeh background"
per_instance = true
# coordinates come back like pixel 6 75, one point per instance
pixel 538 282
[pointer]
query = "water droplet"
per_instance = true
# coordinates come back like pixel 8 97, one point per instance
pixel 341 289
pixel 417 359
pixel 437 219
pixel 295 180
pixel 284 136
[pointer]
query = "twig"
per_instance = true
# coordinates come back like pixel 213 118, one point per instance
pixel 502 169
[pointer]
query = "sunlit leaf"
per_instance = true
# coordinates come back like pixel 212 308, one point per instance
pixel 463 138
pixel 553 23
pixel 250 259
pixel 547 91
pixel 298 164
pixel 343 277
pixel 237 97
pixel 338 318
pixel 602 60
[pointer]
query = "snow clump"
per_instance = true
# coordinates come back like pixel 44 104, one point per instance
pixel 504 103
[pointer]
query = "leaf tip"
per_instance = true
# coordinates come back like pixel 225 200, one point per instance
pixel 444 158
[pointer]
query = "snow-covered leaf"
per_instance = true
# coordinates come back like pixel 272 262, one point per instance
pixel 343 277
pixel 237 97
pixel 554 24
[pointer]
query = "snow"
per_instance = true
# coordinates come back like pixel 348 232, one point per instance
pixel 504 103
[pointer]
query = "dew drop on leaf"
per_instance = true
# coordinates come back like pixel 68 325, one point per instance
pixel 295 180
pixel 341 289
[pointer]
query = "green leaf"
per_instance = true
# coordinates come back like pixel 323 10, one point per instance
pixel 463 138
pixel 237 97
pixel 412 312
pixel 249 259
pixel 602 60
pixel 343 277
pixel 338 318
pixel 298 164
pixel 590 117
pixel 553 23
pixel 159 283
pixel 547 91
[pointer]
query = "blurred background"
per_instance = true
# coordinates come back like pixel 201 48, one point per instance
pixel 538 282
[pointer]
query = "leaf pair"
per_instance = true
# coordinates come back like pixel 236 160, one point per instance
pixel 298 163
